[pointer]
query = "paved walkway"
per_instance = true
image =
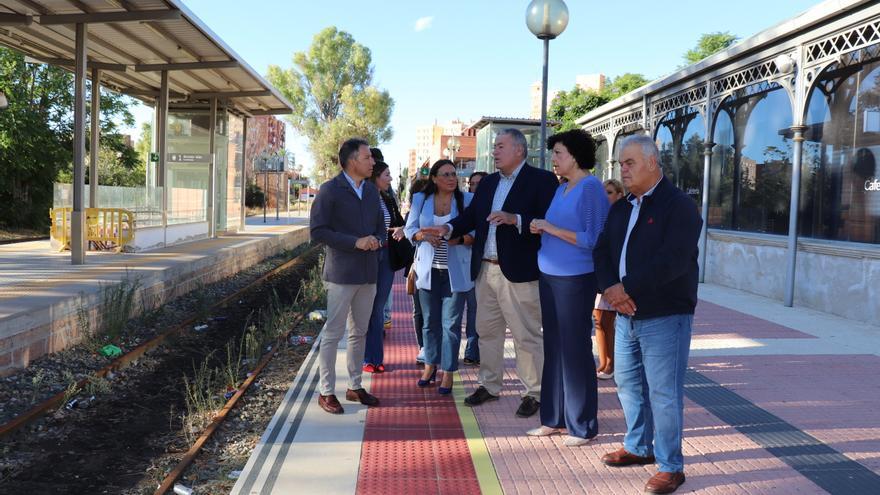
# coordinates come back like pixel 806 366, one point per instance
pixel 779 400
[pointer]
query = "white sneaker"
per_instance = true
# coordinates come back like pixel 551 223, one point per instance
pixel 604 376
pixel 571 441
pixel 543 431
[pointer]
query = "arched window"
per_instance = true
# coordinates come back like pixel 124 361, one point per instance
pixel 750 179
pixel 680 141
pixel 601 160
pixel 840 192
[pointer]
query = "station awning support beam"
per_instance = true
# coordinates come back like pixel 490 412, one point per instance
pixel 95 141
pixel 212 170
pixel 77 216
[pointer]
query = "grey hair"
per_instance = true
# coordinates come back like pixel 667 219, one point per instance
pixel 648 146
pixel 518 138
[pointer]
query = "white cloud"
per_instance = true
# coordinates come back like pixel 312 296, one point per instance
pixel 423 23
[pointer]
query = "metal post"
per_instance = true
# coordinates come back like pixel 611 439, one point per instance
pixel 791 260
pixel 243 172
pixel 287 196
pixel 94 142
pixel 162 149
pixel 544 104
pixel 212 170
pixel 77 216
pixel 265 191
pixel 277 196
pixel 704 233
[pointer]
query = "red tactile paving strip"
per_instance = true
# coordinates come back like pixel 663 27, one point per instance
pixel 413 442
pixel 714 321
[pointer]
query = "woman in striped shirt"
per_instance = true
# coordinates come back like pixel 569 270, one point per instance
pixel 442 272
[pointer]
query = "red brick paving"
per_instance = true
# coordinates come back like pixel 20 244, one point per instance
pixel 414 443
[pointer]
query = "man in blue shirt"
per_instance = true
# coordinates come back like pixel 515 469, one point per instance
pixel 347 218
pixel 646 264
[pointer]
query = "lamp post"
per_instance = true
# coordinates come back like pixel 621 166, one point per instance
pixel 453 145
pixel 546 19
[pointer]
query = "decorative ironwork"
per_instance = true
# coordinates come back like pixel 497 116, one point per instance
pixel 744 78
pixel 631 117
pixel 599 128
pixel 687 98
pixel 843 42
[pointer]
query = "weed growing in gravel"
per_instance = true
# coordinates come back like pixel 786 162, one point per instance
pixel 37 384
pixel 202 302
pixel 117 304
pixel 97 385
pixel 232 369
pixel 201 399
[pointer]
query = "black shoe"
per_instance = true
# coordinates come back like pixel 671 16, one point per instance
pixel 528 407
pixel 471 362
pixel 480 396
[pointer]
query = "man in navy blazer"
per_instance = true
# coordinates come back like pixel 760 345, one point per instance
pixel 347 219
pixel 504 264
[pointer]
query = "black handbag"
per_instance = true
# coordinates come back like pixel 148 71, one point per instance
pixel 401 253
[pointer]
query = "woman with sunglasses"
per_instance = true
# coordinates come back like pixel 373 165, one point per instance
pixel 442 272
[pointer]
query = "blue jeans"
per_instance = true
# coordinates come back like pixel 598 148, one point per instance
pixel 375 350
pixel 472 348
pixel 650 361
pixel 441 310
pixel 569 393
pixel 386 311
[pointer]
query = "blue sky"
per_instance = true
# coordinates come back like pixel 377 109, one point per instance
pixel 469 58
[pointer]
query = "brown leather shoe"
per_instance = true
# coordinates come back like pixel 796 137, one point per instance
pixel 621 458
pixel 361 395
pixel 330 404
pixel 664 482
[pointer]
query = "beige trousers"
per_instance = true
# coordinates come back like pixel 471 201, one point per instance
pixel 344 300
pixel 502 304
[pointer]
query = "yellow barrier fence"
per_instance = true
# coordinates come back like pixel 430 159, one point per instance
pixel 106 228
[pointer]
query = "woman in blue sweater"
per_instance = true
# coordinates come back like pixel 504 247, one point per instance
pixel 567 287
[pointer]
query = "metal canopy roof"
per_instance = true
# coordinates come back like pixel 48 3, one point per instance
pixel 132 41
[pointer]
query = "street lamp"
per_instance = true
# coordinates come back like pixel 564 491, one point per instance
pixel 546 19
pixel 453 145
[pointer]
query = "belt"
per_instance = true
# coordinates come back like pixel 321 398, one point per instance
pixel 494 262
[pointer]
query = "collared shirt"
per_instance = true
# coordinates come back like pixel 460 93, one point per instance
pixel 357 190
pixel 505 183
pixel 633 217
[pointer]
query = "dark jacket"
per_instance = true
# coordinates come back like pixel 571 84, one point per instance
pixel 530 196
pixel 661 256
pixel 338 219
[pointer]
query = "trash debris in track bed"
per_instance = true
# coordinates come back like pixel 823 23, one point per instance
pixel 301 339
pixel 110 351
pixel 182 489
pixel 234 475
pixel 79 403
pixel 230 392
pixel 317 315
pixel 200 328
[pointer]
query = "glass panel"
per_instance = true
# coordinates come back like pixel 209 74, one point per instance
pixel 601 160
pixel 754 187
pixel 221 144
pixel 144 202
pixel 680 141
pixel 234 169
pixel 840 195
pixel 188 163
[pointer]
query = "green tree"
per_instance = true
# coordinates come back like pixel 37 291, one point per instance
pixel 568 106
pixel 330 87
pixel 708 44
pixel 36 136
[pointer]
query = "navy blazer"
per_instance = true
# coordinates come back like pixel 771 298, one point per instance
pixel 338 219
pixel 661 256
pixel 530 196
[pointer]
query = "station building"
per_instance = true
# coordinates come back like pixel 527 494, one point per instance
pixel 777 140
